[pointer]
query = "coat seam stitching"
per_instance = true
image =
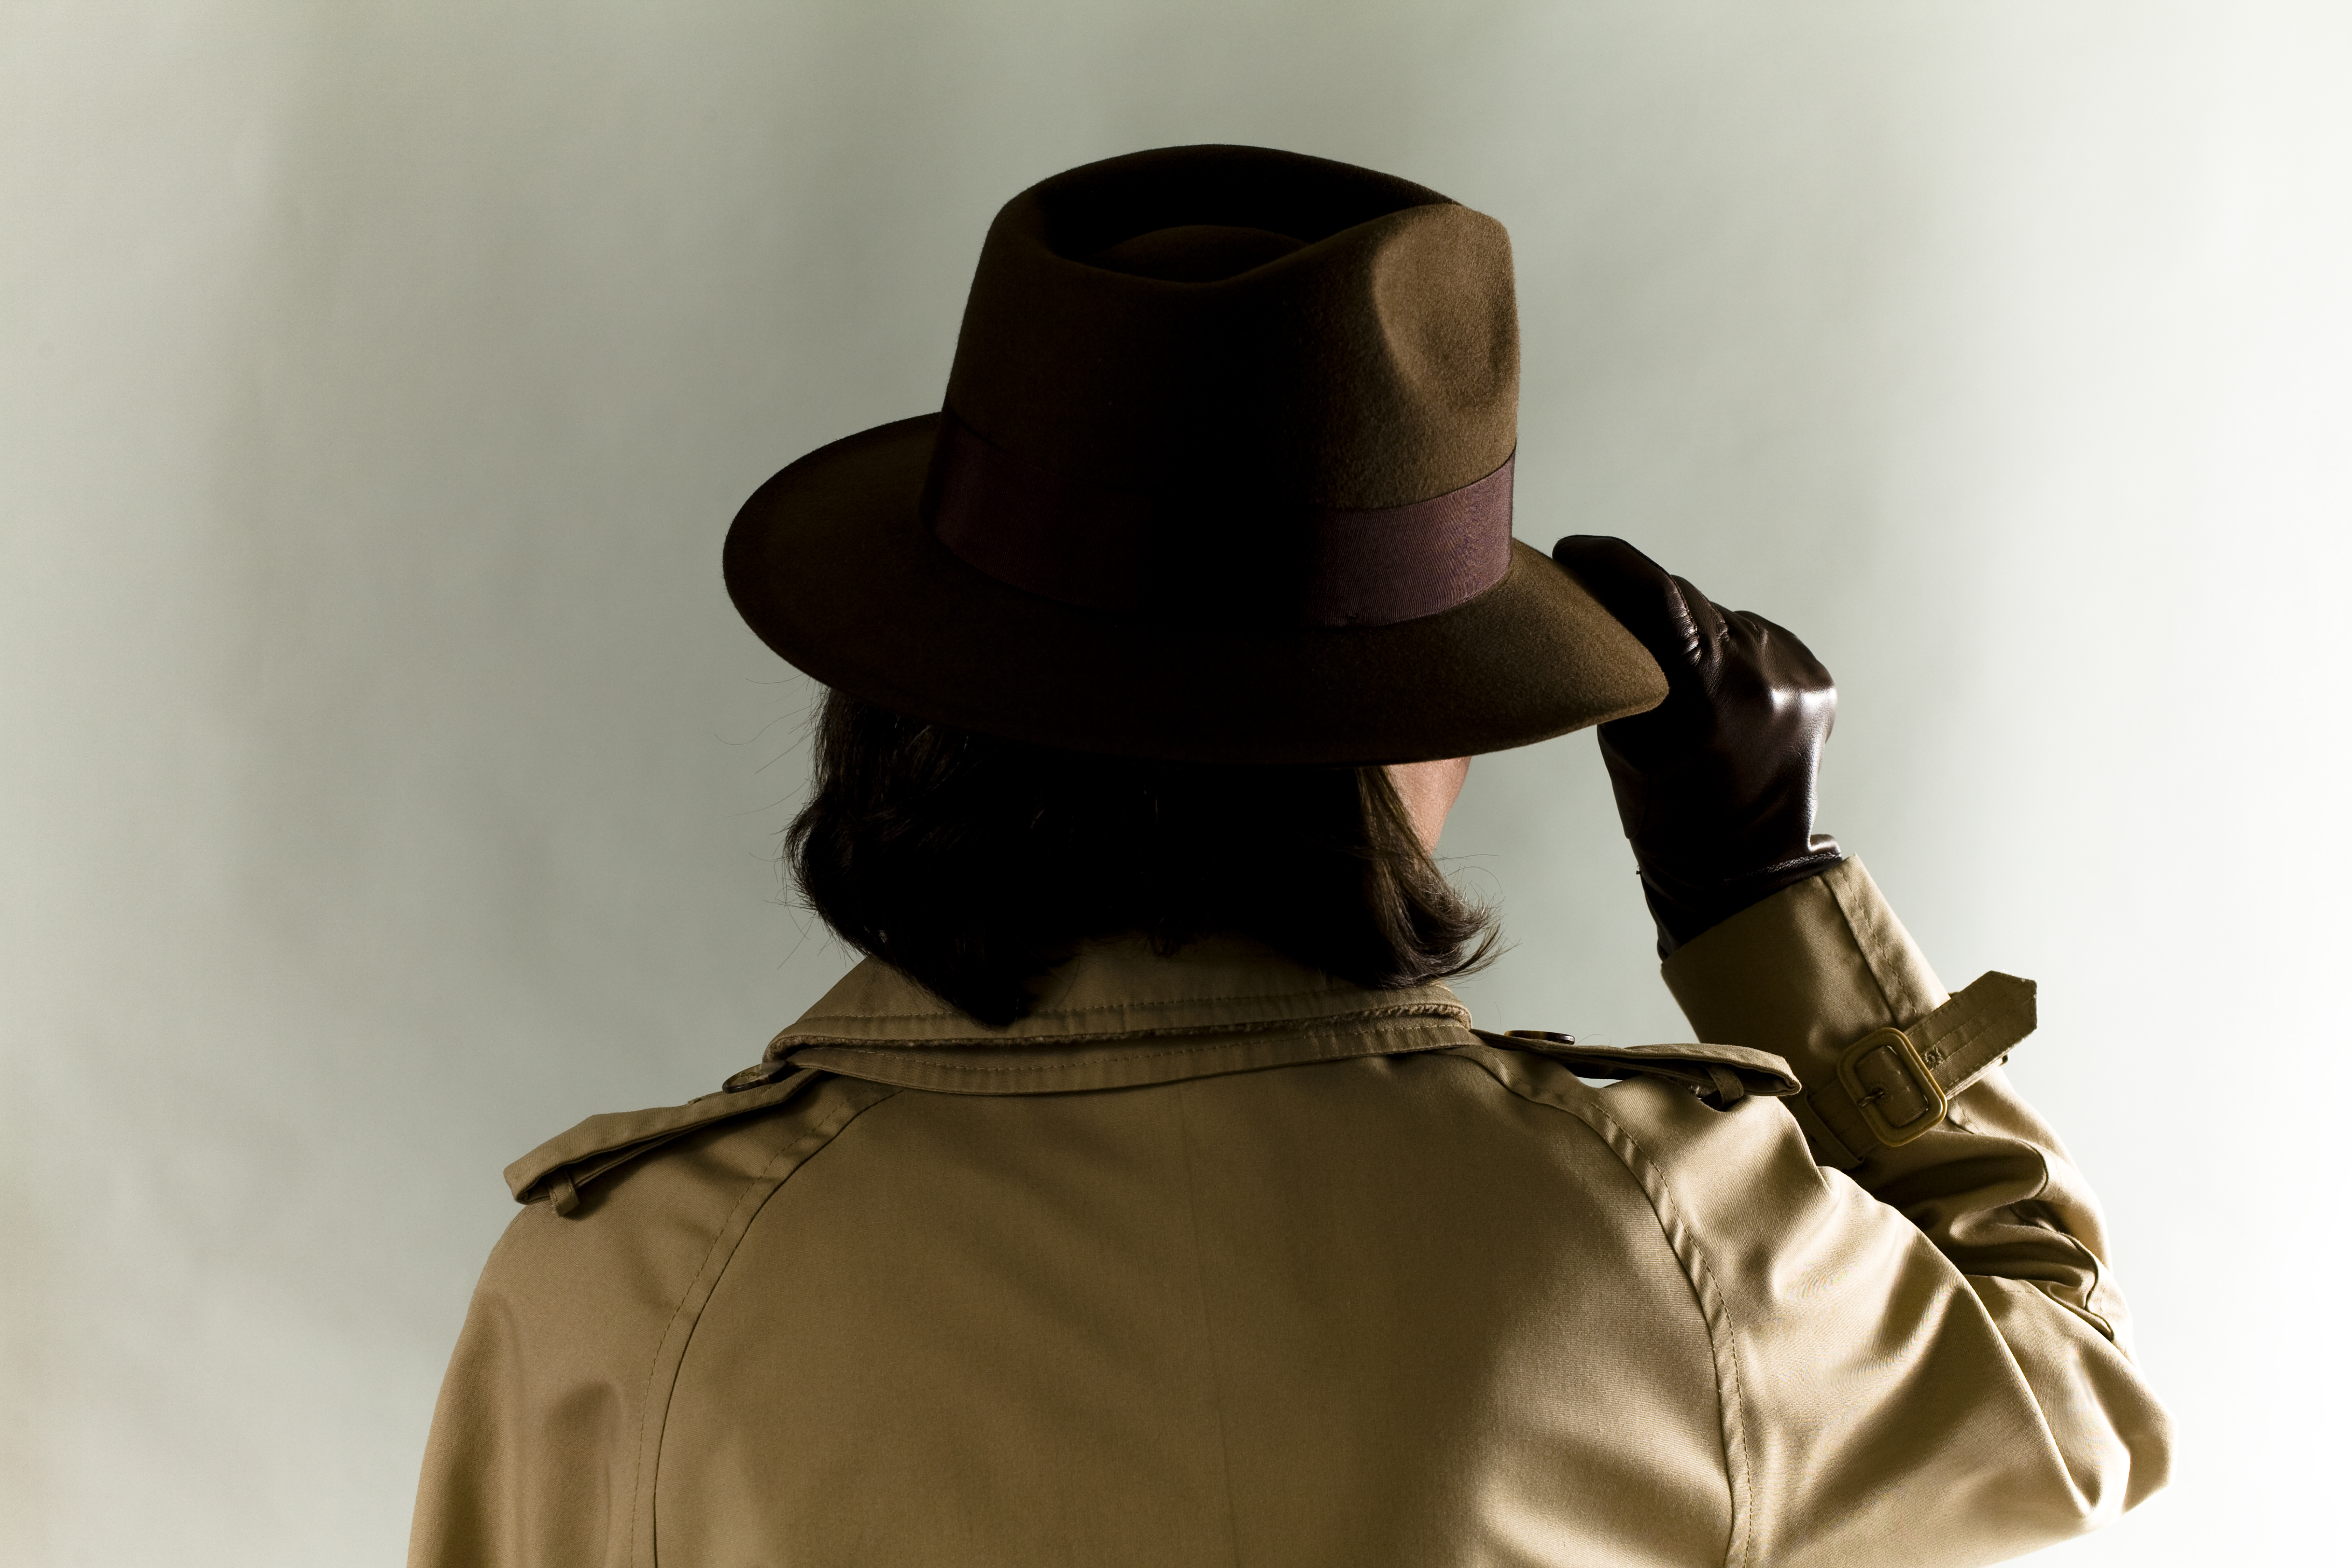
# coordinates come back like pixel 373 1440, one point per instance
pixel 1161 1005
pixel 1208 1329
pixel 1697 1264
pixel 1862 947
pixel 795 1037
pixel 801 1151
pixel 905 1054
pixel 1697 1275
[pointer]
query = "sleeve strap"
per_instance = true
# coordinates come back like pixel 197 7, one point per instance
pixel 1892 1085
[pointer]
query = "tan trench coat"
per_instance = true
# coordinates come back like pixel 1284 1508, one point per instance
pixel 1217 1260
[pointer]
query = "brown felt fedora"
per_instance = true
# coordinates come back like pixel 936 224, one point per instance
pixel 1223 475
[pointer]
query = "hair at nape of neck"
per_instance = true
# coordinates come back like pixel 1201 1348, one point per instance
pixel 976 863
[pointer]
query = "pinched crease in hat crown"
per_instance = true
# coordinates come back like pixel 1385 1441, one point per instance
pixel 1243 326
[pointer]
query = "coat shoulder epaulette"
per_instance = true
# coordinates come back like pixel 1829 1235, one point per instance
pixel 560 1167
pixel 1720 1075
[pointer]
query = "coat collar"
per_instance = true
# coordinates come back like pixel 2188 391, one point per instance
pixel 1118 1015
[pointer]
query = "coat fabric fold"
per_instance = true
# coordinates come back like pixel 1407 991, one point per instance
pixel 1217 1259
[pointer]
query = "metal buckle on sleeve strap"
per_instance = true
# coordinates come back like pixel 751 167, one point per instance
pixel 1913 1078
pixel 1894 1085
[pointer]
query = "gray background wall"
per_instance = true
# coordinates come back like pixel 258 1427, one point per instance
pixel 386 783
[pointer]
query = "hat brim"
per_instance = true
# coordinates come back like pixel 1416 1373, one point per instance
pixel 831 564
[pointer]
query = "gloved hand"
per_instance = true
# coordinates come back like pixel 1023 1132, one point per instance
pixel 1715 785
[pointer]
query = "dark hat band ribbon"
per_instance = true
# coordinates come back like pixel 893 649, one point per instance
pixel 1223 556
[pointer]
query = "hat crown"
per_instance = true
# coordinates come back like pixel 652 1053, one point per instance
pixel 1224 475
pixel 1374 363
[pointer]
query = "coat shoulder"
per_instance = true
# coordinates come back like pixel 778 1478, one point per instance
pixel 560 1169
pixel 594 1282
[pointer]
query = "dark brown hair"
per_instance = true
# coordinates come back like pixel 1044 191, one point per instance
pixel 977 864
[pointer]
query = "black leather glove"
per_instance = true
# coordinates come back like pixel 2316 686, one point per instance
pixel 1715 785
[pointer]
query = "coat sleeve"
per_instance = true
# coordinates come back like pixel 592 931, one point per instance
pixel 551 1414
pixel 1927 1353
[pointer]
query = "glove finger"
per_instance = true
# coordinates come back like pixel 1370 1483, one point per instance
pixel 1779 668
pixel 1707 617
pixel 1778 652
pixel 1639 593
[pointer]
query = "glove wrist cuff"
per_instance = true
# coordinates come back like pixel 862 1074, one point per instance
pixel 1686 908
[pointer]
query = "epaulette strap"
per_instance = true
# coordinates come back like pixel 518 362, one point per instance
pixel 559 1168
pixel 1720 1075
pixel 1893 1085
